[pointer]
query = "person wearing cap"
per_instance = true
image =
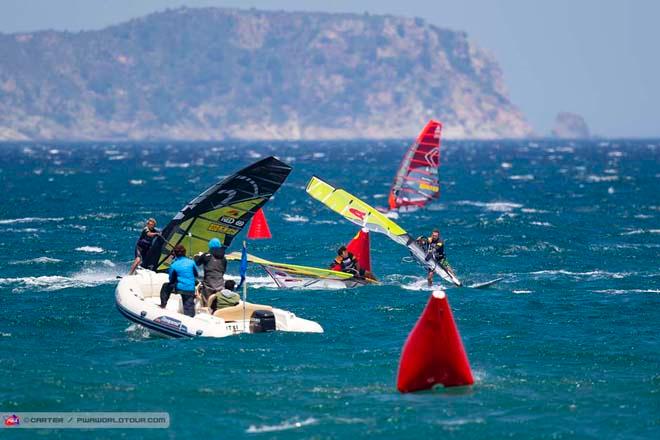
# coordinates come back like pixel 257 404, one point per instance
pixel 435 249
pixel 183 276
pixel 215 265
pixel 147 236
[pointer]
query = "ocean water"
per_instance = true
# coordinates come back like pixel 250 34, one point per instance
pixel 566 346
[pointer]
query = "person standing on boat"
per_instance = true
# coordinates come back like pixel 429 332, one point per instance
pixel 347 262
pixel 147 236
pixel 435 250
pixel 183 275
pixel 215 265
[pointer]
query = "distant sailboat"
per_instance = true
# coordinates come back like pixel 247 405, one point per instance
pixel 416 182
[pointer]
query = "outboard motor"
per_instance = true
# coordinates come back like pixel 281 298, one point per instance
pixel 262 321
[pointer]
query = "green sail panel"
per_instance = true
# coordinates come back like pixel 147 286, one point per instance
pixel 221 211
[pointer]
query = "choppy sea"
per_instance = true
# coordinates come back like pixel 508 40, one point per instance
pixel 566 346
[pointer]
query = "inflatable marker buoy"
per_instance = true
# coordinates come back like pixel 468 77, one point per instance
pixel 259 227
pixel 433 353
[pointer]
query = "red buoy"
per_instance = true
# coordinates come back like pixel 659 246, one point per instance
pixel 433 353
pixel 359 246
pixel 259 227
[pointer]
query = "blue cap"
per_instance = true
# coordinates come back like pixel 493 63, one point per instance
pixel 214 243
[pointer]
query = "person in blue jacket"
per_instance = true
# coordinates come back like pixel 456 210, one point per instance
pixel 183 275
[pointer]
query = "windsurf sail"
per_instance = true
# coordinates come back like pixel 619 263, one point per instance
pixel 221 211
pixel 362 214
pixel 416 181
pixel 296 276
pixel 292 268
pixel 355 210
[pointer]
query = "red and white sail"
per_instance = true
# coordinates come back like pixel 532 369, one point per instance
pixel 416 182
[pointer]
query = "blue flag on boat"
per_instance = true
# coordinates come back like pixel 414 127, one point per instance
pixel 244 265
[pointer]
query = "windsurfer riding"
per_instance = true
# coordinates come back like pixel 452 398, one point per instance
pixel 434 246
pixel 347 262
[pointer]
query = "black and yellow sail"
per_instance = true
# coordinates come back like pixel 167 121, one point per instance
pixel 221 211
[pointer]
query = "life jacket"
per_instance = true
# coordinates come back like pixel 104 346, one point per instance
pixel 226 298
pixel 145 242
pixel 348 264
pixel 437 247
pixel 186 271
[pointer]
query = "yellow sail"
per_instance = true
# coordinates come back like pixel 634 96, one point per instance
pixel 360 213
pixel 293 269
pixel 355 210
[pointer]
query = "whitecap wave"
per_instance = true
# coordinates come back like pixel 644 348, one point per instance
pixel 624 291
pixel 295 218
pixel 642 231
pixel 595 179
pixel 522 177
pixel 91 249
pixel 454 424
pixel 49 283
pixel 594 274
pixel 492 206
pixel 10 221
pixel 541 224
pixel 255 282
pixel 418 283
pixel 294 423
pixel 38 260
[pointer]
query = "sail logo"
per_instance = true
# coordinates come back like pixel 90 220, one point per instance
pixel 433 157
pixel 232 221
pixel 357 213
pixel 12 420
pixel 214 227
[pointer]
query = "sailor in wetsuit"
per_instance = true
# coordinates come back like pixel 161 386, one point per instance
pixel 347 262
pixel 435 250
pixel 215 265
pixel 149 233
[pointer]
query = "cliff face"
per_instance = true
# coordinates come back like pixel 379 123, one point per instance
pixel 218 73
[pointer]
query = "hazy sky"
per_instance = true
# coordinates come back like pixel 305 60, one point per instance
pixel 598 58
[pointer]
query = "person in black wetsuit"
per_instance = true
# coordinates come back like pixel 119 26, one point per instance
pixel 215 265
pixel 147 236
pixel 435 250
pixel 347 262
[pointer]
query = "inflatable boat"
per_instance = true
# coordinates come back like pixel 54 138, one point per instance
pixel 138 299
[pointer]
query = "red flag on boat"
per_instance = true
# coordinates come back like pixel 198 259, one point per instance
pixel 433 353
pixel 359 246
pixel 259 227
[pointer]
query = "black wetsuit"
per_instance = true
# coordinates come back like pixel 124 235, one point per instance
pixel 215 265
pixel 348 265
pixel 435 249
pixel 144 242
